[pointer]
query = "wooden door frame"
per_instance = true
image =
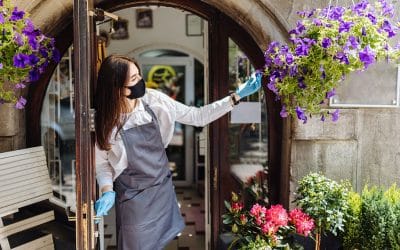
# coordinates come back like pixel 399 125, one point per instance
pixel 226 28
pixel 221 27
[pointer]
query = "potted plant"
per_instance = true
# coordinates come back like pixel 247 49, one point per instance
pixel 264 228
pixel 326 201
pixel 25 52
pixel 324 47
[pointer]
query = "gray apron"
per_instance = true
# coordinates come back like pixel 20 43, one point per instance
pixel 147 213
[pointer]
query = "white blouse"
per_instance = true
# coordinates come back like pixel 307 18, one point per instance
pixel 111 163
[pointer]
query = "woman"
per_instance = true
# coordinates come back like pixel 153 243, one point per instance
pixel 133 127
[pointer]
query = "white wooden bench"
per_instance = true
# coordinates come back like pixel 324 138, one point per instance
pixel 24 180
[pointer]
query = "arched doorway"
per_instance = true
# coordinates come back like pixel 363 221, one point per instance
pixel 220 29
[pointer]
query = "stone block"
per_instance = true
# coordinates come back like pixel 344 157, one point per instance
pixel 343 129
pixel 335 159
pixel 9 124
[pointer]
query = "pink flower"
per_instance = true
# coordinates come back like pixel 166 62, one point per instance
pixel 277 215
pixel 304 224
pixel 258 210
pixel 243 219
pixel 269 228
pixel 236 207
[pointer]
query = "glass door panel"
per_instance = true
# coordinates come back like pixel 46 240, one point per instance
pixel 248 141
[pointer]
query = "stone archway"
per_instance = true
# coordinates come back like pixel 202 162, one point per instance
pixel 263 20
pixel 256 23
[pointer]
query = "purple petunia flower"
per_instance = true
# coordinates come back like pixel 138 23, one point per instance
pixel 43 52
pixel 387 9
pixel 271 86
pixel 372 18
pixel 20 103
pixel 1 66
pixel 300 83
pixel 19 86
pixel 56 55
pixel 323 118
pixel 289 58
pixel 29 27
pixel 33 75
pixel 20 60
pixel 1 18
pixel 301 115
pixel 17 15
pixel 363 31
pixel 18 39
pixel 386 26
pixel 43 66
pixel 336 13
pixel 302 49
pixel 273 47
pixel 342 57
pixel 335 115
pixel 1 2
pixel 345 26
pixel 283 112
pixel 352 42
pixel 305 13
pixel 32 42
pixel 33 59
pixel 326 42
pixel 367 56
pixel 330 93
pixel 317 22
pixel 293 70
pixel 278 61
pixel 360 7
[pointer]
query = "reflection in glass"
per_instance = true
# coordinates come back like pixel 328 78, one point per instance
pixel 58 132
pixel 248 142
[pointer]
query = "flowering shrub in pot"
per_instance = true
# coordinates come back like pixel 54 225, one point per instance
pixel 324 47
pixel 326 201
pixel 25 52
pixel 264 228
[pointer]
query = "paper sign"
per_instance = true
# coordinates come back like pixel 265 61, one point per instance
pixel 246 112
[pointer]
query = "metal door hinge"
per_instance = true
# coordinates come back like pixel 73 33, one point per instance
pixel 92 113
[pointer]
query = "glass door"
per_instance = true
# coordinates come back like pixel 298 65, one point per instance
pixel 174 76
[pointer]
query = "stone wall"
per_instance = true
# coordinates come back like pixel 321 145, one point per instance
pixel 362 146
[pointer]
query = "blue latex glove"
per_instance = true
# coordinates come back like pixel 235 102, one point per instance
pixel 104 203
pixel 250 86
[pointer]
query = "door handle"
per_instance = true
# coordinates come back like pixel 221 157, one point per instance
pixel 95 234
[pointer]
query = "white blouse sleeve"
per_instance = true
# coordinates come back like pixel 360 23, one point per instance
pixel 202 116
pixel 104 171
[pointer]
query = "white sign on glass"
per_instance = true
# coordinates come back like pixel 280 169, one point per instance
pixel 246 112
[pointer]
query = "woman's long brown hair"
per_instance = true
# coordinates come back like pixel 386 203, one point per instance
pixel 109 99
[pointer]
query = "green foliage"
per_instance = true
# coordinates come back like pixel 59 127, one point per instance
pixel 352 234
pixel 257 244
pixel 325 200
pixel 375 219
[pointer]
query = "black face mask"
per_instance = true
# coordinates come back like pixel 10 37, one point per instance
pixel 137 90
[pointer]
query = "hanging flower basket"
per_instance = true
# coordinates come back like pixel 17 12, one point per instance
pixel 24 53
pixel 325 46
